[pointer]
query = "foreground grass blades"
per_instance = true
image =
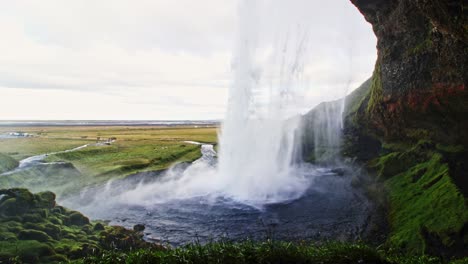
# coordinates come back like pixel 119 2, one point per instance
pixel 270 252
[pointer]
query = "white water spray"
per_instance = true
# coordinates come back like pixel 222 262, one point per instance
pixel 258 141
pixel 259 136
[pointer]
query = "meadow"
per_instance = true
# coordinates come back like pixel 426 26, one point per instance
pixel 133 149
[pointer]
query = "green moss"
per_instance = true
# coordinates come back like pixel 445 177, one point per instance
pixel 33 218
pixel 38 218
pixel 29 251
pixel 31 234
pixel 357 98
pixel 7 163
pixel 425 45
pixel 8 236
pixel 424 202
pixel 78 219
pixel 376 90
pixel 10 226
pixel 393 163
pixel 450 148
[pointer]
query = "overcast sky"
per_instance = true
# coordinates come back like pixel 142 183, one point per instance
pixel 156 59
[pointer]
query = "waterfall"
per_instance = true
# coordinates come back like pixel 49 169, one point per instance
pixel 274 82
pixel 258 139
pixel 323 126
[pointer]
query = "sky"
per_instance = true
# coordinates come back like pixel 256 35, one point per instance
pixel 159 59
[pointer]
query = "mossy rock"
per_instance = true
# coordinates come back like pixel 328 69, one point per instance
pixel 82 251
pixel 28 251
pixel 27 219
pixel 11 226
pixel 9 207
pixel 55 220
pixel 18 201
pixel 139 228
pixel 33 218
pixel 98 227
pixel 34 226
pixel 59 210
pixel 30 234
pixel 76 218
pixel 46 199
pixel 53 230
pixel 8 236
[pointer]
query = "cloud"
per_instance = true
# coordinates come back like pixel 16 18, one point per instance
pixel 123 56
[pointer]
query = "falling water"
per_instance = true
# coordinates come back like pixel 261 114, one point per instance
pixel 258 139
pixel 257 163
pixel 256 176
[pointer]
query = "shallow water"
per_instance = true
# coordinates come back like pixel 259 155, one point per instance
pixel 329 209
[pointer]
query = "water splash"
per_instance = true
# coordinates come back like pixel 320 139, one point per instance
pixel 258 139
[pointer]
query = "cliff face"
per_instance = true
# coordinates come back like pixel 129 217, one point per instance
pixel 419 83
pixel 410 127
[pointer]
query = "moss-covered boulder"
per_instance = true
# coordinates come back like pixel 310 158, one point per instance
pixel 34 229
pixel 76 218
pixel 31 234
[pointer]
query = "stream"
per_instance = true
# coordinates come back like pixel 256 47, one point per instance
pixel 39 160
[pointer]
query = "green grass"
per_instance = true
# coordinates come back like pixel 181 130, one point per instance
pixel 376 90
pixel 246 252
pixel 127 157
pixel 136 149
pixel 21 148
pixel 267 252
pixel 7 163
pixel 61 179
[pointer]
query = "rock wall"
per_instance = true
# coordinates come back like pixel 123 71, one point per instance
pixel 419 82
pixel 408 124
pixel 410 127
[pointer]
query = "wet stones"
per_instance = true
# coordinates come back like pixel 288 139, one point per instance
pixel 139 228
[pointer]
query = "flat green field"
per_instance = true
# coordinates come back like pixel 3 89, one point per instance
pixel 135 149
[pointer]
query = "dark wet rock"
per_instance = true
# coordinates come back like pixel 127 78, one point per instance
pixel 139 228
pixel 419 84
pixel 98 227
pixel 339 171
pixel 123 239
